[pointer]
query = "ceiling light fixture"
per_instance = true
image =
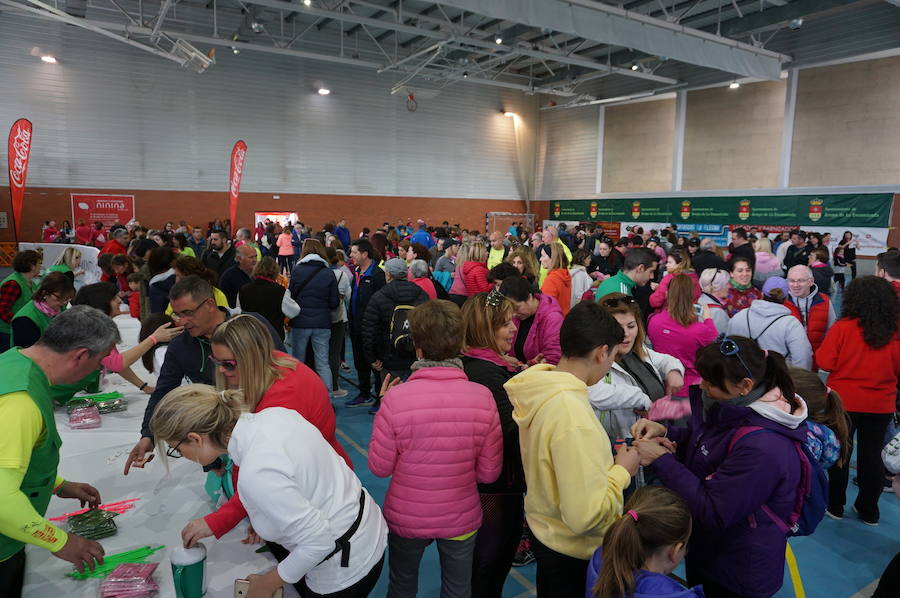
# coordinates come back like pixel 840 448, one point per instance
pixel 466 75
pixel 734 85
pixel 48 59
pixel 498 40
pixel 235 50
pixel 324 91
pixel 307 2
pixel 635 66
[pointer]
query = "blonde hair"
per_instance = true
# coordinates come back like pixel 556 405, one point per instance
pixel 253 349
pixel 714 279
pixel 764 245
pixel 197 408
pixel 68 257
pixel 481 320
pixel 477 252
pixel 558 259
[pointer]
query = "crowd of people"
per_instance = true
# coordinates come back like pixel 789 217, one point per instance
pixel 604 407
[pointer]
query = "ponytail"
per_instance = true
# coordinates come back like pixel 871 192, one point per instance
pixel 196 408
pixel 777 375
pixel 655 518
pixel 837 419
pixel 825 407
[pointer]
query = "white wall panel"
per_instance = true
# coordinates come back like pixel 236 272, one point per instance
pixel 567 154
pixel 111 116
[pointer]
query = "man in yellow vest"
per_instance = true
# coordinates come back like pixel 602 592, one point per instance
pixel 71 347
pixel 498 250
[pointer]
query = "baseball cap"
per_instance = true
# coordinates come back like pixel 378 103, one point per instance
pixel 396 267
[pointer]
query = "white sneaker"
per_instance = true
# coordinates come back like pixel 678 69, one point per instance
pixel 338 394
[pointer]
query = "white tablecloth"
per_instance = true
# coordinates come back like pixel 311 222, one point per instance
pixel 167 501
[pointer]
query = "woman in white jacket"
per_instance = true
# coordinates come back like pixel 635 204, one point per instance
pixel 581 280
pixel 639 375
pixel 297 491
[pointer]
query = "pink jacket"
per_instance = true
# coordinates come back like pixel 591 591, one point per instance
pixel 671 338
pixel 438 436
pixel 658 298
pixel 543 338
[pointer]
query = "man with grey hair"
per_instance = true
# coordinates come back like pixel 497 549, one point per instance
pixel 814 309
pixel 706 257
pixel 118 242
pixel 72 346
pixel 384 323
pixel 244 237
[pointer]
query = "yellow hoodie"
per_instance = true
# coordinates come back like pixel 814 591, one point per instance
pixel 574 488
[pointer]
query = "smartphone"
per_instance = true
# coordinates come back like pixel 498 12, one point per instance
pixel 242 588
pixel 698 310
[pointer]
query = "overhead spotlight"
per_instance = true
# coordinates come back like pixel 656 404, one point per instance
pixel 48 59
pixel 235 50
pixel 307 2
pixel 498 40
pixel 324 91
pixel 466 75
pixel 635 66
pixel 796 24
pixel 734 85
pixel 256 26
pixel 509 114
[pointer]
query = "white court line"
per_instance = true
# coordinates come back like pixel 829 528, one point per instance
pixel 352 443
pixel 866 591
pixel 523 581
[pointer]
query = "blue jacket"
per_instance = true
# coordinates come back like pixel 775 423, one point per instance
pixel 343 235
pixel 423 237
pixel 318 297
pixel 365 285
pixel 733 542
pixel 646 584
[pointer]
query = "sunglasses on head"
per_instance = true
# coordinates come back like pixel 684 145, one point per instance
pixel 229 365
pixel 729 348
pixel 617 301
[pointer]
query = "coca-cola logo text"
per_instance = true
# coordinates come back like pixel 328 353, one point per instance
pixel 237 168
pixel 20 148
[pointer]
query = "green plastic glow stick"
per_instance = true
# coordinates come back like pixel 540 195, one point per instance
pixel 110 562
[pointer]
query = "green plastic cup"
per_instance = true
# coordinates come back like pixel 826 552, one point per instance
pixel 189 571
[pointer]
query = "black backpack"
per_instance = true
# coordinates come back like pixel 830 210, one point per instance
pixel 400 338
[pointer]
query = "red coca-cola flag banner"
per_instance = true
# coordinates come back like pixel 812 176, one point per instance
pixel 238 153
pixel 18 150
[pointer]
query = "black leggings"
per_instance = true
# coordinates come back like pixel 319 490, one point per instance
pixel 360 589
pixel 869 429
pixel 558 575
pixel 496 542
pixel 284 263
pixel 12 575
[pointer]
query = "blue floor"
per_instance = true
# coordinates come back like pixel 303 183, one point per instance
pixel 843 559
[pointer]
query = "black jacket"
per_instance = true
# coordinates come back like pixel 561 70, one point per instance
pixel 231 282
pixel 264 297
pixel 744 251
pixel 798 256
pixel 319 295
pixel 363 291
pixel 188 357
pixel 214 262
pixel 704 259
pixel 493 377
pixel 158 293
pixel 608 265
pixel 376 324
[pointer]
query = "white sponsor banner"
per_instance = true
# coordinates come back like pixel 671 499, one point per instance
pixel 52 251
pixel 868 241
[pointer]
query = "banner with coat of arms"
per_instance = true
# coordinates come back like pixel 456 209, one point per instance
pixel 872 210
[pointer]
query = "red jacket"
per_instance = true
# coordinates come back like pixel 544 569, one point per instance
pixel 866 378
pixel 816 323
pixel 134 305
pixel 300 390
pixel 114 247
pixel 475 276
pixel 558 285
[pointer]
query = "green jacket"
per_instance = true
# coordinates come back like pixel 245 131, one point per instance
pixel 620 283
pixel 18 373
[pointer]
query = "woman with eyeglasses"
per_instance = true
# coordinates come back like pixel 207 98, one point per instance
pixel 715 284
pixel 742 292
pixel 246 360
pixel 488 333
pixel 736 465
pixel 639 375
pixel 48 301
pixel 538 318
pixel 298 492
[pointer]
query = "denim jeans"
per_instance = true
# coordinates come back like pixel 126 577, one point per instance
pixel 320 338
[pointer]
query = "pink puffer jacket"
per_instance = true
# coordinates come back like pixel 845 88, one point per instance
pixel 438 435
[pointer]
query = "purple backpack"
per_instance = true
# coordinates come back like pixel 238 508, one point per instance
pixel 812 491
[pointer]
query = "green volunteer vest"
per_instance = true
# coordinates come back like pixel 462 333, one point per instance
pixel 27 287
pixel 18 374
pixel 59 268
pixel 30 311
pixel 63 393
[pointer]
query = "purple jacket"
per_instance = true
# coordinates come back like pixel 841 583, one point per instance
pixel 543 338
pixel 733 542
